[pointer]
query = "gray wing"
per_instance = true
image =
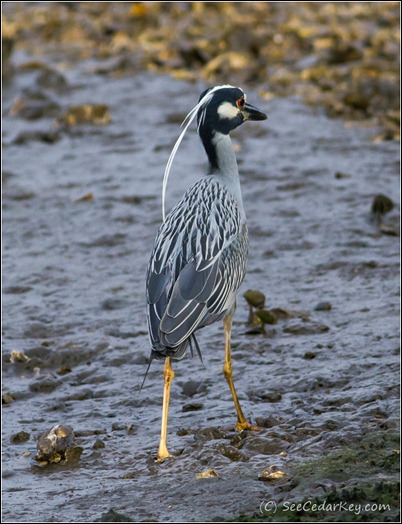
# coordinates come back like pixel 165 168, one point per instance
pixel 198 263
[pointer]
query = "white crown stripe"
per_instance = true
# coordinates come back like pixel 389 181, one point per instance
pixel 186 123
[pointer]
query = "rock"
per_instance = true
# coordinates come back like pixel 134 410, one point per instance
pixel 340 174
pixel 7 46
pixel 51 79
pixel 44 385
pixel 392 230
pixel 48 137
pixel 232 453
pixel 268 422
pixel 255 298
pixel 99 444
pixel 196 406
pixel 264 396
pixel 282 314
pixel 192 387
pixel 117 426
pixel 380 206
pixel 95 114
pixel 323 306
pixel 266 316
pixel 266 445
pixel 7 398
pixel 238 438
pixel 114 516
pixel 305 328
pixel 88 197
pixel 17 438
pixel 271 473
pixel 309 355
pixel 34 106
pixel 211 433
pixel 18 356
pixel 209 473
pixel 56 445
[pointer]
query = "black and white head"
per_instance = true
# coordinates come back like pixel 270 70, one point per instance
pixel 224 108
pixel 219 110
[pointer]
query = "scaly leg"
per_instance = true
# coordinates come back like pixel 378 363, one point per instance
pixel 168 375
pixel 227 371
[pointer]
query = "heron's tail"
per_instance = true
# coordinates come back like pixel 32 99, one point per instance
pixel 176 353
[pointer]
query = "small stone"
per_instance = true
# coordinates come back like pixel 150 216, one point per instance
pixel 7 398
pixel 116 426
pixel 266 316
pixel 255 330
pixel 114 516
pixel 271 473
pixel 192 407
pixel 339 175
pixel 381 205
pixel 309 355
pixel 17 438
pixel 88 197
pixel 268 422
pixel 191 387
pixel 212 433
pixel 323 306
pixel 183 432
pixel 270 396
pixel 96 114
pixel 392 230
pixel 64 369
pixel 303 328
pixel 18 356
pixel 207 474
pixel 232 453
pixel 255 298
pixel 99 444
pixel 45 385
pixel 281 313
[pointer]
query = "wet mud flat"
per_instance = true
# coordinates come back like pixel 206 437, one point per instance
pixel 81 205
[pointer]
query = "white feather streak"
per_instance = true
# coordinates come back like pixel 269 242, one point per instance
pixel 186 123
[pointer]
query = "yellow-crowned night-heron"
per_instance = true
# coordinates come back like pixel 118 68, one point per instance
pixel 200 252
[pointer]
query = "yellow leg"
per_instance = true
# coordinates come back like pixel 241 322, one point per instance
pixel 168 375
pixel 227 371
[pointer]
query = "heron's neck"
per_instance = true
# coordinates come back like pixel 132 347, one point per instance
pixel 223 165
pixel 219 149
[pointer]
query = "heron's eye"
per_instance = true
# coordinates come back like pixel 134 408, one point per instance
pixel 240 103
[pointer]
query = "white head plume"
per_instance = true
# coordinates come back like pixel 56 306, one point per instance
pixel 186 123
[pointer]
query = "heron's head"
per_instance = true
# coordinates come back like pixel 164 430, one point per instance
pixel 225 108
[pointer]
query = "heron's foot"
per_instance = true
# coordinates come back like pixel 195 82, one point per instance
pixel 240 426
pixel 163 455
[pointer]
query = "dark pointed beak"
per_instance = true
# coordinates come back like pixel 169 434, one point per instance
pixel 253 113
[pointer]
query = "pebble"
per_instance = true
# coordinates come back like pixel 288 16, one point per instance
pixel 323 306
pixel 209 473
pixel 21 436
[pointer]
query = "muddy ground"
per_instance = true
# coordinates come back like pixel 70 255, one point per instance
pixel 81 206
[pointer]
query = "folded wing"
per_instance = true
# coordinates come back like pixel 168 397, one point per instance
pixel 196 267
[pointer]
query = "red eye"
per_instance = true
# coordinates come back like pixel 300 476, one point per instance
pixel 240 103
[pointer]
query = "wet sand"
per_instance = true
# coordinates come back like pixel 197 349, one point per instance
pixel 81 206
